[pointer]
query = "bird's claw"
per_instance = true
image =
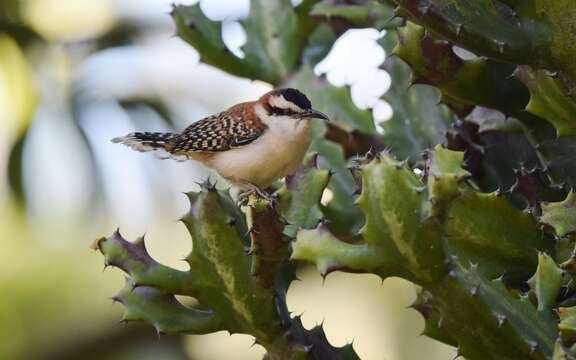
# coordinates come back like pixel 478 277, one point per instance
pixel 244 197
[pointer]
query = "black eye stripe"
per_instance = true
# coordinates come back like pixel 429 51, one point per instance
pixel 279 111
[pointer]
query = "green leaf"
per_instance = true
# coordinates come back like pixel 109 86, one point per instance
pixel 479 229
pixel 236 292
pixel 372 14
pixel 511 325
pixel 276 36
pixel 546 282
pixel 472 82
pixel 446 163
pixel 301 197
pixel 561 216
pixel 329 253
pixel 343 216
pixel 533 32
pixel 418 122
pixel 562 352
pixel 486 229
pixel 205 36
pixel 220 277
pixel 319 44
pixel 444 169
pixel 567 325
pixel 395 240
pixel 549 100
pixel 433 323
pixel 169 316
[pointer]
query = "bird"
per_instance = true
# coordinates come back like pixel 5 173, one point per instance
pixel 251 144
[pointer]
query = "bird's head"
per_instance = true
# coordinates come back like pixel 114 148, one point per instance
pixel 289 103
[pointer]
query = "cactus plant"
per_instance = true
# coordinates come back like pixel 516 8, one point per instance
pixel 241 287
pixel 483 221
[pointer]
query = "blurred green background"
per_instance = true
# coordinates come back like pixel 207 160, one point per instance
pixel 75 73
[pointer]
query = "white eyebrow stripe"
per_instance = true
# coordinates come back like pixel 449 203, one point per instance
pixel 282 103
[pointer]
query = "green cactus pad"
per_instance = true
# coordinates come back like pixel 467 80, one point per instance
pixel 561 216
pixel 275 39
pixel 546 282
pixel 237 291
pixel 469 82
pixel 549 100
pixel 418 122
pixel 484 228
pixel 537 32
pixel 471 228
pixel 302 194
pixel 501 320
pixel 567 325
pixel 372 14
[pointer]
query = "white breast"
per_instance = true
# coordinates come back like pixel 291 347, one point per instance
pixel 277 153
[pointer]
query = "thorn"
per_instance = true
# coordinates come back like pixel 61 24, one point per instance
pixel 159 332
pixel 533 346
pixel 371 154
pixel 400 164
pixel 324 274
pixel 459 28
pixel 501 319
pixel 474 291
pixel 452 273
pixel 323 222
pixel 551 73
pixel 473 266
pixel 425 9
pixel 458 352
pixel 250 232
pixel 501 46
pixel 250 251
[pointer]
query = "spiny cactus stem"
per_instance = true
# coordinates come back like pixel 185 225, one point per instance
pixel 543 157
pixel 268 244
pixel 331 254
pixel 133 259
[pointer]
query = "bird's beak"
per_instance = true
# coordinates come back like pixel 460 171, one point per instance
pixel 311 113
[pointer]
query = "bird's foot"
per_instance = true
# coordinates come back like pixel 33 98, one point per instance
pixel 244 197
pixel 271 198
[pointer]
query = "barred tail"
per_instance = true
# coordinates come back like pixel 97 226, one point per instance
pixel 148 141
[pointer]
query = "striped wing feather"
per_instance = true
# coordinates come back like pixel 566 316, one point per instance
pixel 218 132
